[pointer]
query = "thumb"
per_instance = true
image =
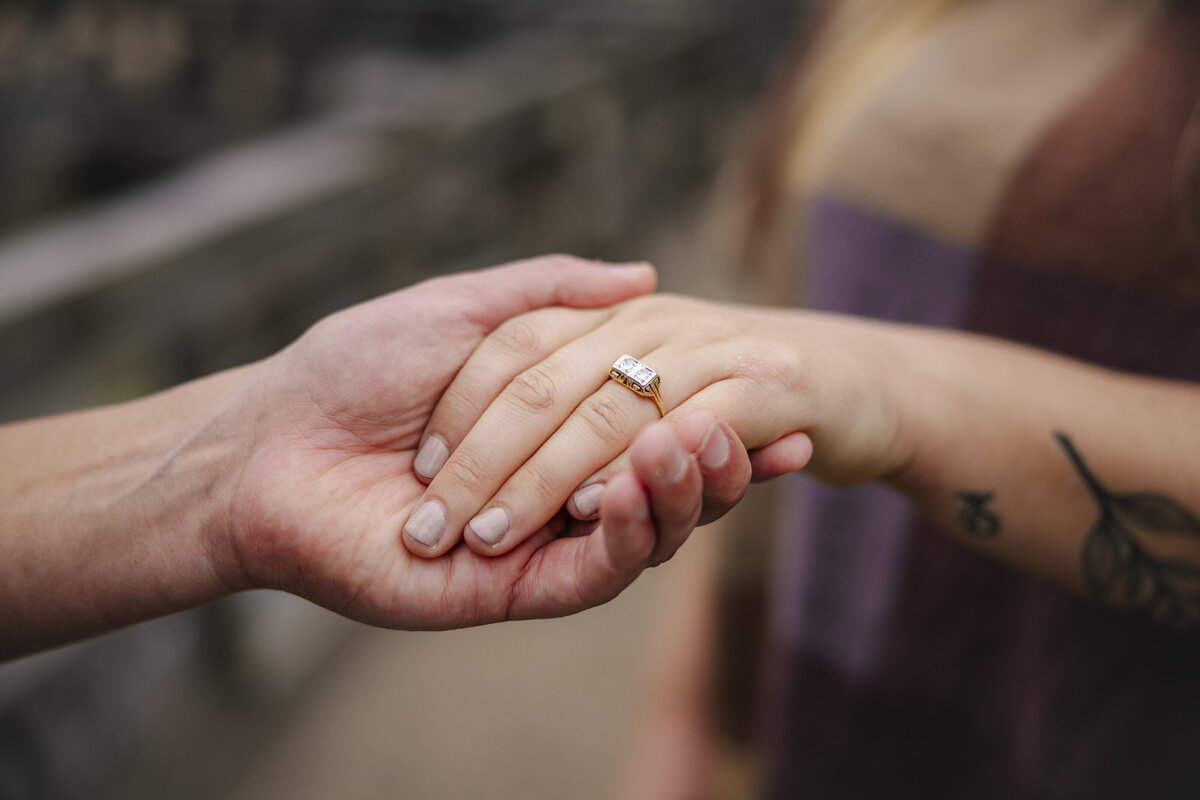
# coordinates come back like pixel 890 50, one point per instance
pixel 489 297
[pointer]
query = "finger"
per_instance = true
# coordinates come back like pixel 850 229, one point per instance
pixel 514 347
pixel 570 575
pixel 491 296
pixel 673 481
pixel 739 402
pixel 580 446
pixel 595 434
pixel 789 454
pixel 572 382
pixel 542 477
pixel 724 466
pixel 723 461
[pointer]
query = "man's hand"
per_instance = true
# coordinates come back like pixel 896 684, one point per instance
pixel 318 505
pixel 296 473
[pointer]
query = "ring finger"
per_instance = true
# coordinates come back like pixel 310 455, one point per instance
pixel 602 426
pixel 519 420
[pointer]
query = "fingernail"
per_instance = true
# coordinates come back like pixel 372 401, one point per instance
pixel 491 525
pixel 431 456
pixel 587 499
pixel 674 463
pixel 714 449
pixel 427 524
pixel 641 511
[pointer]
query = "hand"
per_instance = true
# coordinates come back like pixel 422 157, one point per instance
pixel 532 417
pixel 336 419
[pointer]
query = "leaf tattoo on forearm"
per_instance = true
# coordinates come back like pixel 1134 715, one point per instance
pixel 1123 558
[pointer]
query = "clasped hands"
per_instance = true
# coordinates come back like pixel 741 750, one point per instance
pixel 478 408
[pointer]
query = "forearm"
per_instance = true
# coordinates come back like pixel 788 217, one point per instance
pixel 1082 475
pixel 113 515
pixel 1068 471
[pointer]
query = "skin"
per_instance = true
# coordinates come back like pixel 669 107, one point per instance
pixel 978 432
pixel 1023 454
pixel 295 473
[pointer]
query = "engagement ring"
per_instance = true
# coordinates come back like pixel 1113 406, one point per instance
pixel 634 375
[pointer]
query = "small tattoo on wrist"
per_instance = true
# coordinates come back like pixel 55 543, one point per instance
pixel 974 515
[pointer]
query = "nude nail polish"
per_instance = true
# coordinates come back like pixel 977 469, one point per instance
pixel 587 499
pixel 714 450
pixel 490 526
pixel 431 457
pixel 427 524
pixel 674 463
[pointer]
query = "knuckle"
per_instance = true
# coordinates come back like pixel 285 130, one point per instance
pixel 770 366
pixel 680 313
pixel 715 328
pixel 533 389
pixel 460 401
pixel 516 337
pixel 542 488
pixel 467 473
pixel 605 417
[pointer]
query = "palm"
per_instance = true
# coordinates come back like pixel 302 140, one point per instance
pixel 325 495
pixel 341 541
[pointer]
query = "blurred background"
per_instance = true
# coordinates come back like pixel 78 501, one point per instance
pixel 187 185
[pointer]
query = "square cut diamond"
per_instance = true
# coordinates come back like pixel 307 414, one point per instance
pixel 626 365
pixel 635 372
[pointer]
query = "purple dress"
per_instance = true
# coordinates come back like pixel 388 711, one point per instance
pixel 1029 170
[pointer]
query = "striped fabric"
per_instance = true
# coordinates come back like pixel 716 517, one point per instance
pixel 1027 169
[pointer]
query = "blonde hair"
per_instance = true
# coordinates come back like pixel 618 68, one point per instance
pixel 864 41
pixel 851 45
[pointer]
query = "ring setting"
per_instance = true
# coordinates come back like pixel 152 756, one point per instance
pixel 639 378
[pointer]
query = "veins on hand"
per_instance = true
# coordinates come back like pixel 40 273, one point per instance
pixel 1137 554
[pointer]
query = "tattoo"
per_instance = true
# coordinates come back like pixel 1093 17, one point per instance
pixel 974 515
pixel 1123 558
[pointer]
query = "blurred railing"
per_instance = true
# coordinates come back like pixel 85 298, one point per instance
pixel 98 95
pixel 519 128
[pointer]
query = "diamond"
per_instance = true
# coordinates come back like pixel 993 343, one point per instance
pixel 643 375
pixel 626 364
pixel 638 377
pixel 634 373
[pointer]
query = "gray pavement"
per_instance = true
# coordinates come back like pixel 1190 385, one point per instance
pixel 522 710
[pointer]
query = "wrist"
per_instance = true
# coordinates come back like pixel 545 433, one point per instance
pixel 183 501
pixel 113 516
pixel 930 403
pixel 860 409
pixel 210 463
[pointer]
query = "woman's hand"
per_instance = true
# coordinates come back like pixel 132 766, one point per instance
pixel 320 502
pixel 533 420
pixel 1069 471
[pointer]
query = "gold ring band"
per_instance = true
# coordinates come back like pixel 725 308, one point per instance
pixel 639 378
